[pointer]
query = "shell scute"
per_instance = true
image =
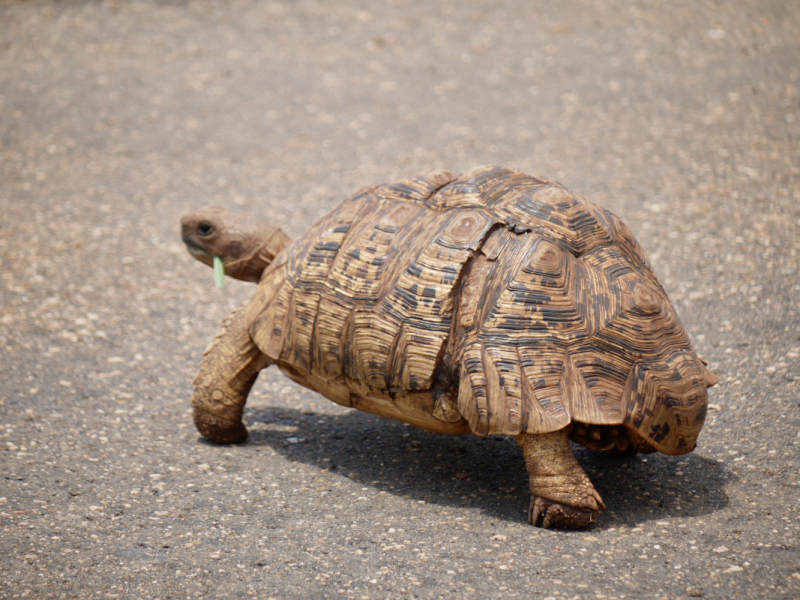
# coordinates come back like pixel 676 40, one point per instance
pixel 556 212
pixel 465 231
pixel 417 350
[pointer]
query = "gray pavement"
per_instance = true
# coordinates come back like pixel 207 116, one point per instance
pixel 115 117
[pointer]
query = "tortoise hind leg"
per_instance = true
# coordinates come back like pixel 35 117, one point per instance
pixel 228 370
pixel 562 494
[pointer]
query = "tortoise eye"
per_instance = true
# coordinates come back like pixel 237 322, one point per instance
pixel 205 229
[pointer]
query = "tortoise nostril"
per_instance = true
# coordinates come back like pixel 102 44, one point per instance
pixel 205 229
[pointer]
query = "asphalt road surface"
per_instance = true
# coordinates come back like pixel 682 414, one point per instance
pixel 116 117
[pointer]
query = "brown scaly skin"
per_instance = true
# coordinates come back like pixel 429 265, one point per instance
pixel 228 370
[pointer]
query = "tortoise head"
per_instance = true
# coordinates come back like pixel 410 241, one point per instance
pixel 245 244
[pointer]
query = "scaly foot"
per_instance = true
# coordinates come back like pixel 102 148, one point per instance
pixel 562 494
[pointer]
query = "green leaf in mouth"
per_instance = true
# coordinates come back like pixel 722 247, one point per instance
pixel 219 272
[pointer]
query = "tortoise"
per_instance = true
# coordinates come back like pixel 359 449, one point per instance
pixel 489 303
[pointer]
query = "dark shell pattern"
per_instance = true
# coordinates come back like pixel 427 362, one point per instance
pixel 533 306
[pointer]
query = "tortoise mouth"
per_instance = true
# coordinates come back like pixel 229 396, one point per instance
pixel 199 253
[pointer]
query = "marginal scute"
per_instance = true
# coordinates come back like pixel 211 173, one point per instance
pixel 329 335
pixel 595 386
pixel 415 356
pixel 546 406
pixel 371 342
pixel 504 397
pixel 666 402
pixel 267 311
pixel 472 389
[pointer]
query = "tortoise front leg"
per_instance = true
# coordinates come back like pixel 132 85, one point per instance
pixel 562 493
pixel 228 370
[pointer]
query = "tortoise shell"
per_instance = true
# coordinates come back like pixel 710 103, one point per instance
pixel 494 302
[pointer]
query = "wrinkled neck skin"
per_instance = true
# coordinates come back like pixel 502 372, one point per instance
pixel 248 260
pixel 245 244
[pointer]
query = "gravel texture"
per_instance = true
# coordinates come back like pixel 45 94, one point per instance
pixel 116 117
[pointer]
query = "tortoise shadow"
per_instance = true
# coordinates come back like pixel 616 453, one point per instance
pixel 484 472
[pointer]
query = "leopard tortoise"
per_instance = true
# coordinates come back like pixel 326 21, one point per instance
pixel 488 303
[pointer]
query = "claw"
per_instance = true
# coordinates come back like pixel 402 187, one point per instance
pixel 560 515
pixel 600 505
pixel 549 517
pixel 534 511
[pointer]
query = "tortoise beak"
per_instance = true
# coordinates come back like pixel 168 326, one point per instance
pixel 199 253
